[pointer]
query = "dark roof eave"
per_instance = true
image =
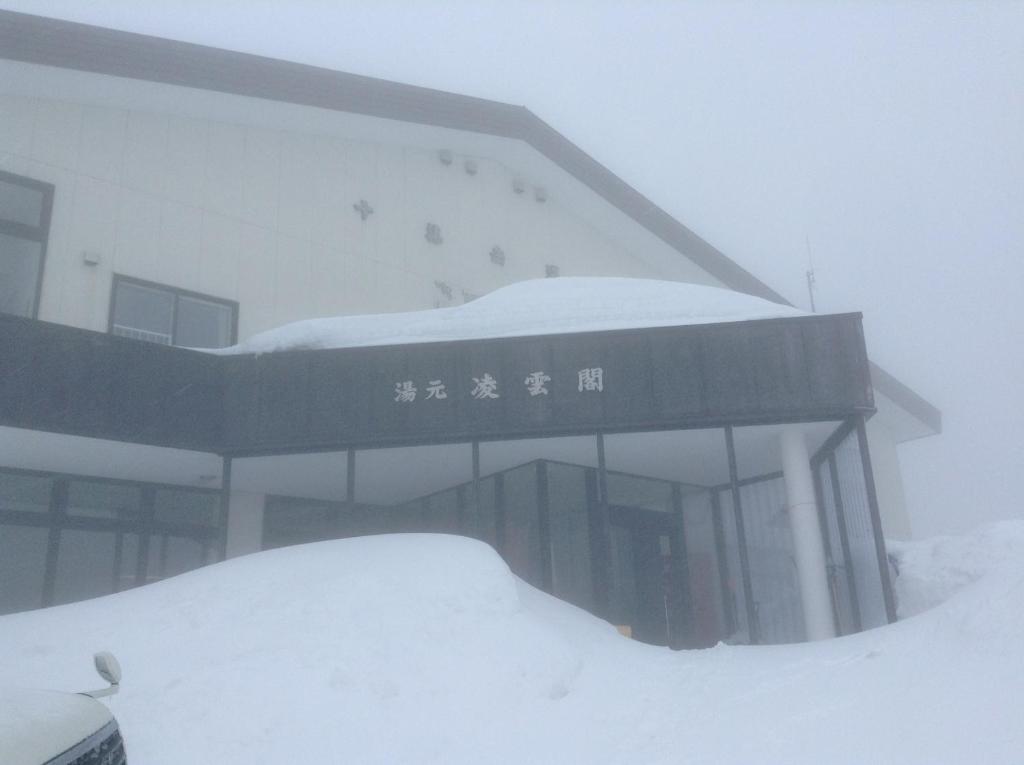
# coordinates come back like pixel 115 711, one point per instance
pixel 71 45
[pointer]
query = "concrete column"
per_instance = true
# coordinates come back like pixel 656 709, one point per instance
pixel 807 543
pixel 245 523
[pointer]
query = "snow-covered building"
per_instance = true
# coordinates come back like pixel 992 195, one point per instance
pixel 701 462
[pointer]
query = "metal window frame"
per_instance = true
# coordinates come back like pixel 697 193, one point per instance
pixel 40 233
pixel 56 519
pixel 176 293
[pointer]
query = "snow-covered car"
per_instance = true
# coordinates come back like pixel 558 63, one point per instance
pixel 53 728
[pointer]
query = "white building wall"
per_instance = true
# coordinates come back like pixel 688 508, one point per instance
pixel 266 217
pixel 885 466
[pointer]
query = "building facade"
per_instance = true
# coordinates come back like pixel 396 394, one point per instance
pixel 187 196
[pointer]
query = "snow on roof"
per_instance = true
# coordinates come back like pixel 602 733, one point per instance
pixel 534 307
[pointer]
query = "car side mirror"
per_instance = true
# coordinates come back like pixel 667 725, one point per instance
pixel 109 669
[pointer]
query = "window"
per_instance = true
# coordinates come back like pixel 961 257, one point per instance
pixel 25 207
pixel 64 537
pixel 168 316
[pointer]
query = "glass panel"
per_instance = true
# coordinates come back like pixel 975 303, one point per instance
pixel 289 521
pixel 635 491
pixel 772 562
pixel 705 577
pixel 485 521
pixel 734 582
pixel 570 534
pixel 143 313
pixel 85 565
pixel 25 493
pixel 521 532
pixel 103 500
pixel 22 565
pixel 622 596
pixel 839 571
pixel 861 536
pixel 19 274
pixel 181 554
pixel 407 518
pixel 202 324
pixel 20 204
pixel 126 554
pixel 442 512
pixel 183 506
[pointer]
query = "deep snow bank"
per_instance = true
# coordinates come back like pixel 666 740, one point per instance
pixel 533 307
pixel 933 570
pixel 424 648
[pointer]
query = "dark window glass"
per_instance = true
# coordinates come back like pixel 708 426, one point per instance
pixel 22 564
pixel 172 555
pixel 143 313
pixel 103 500
pixel 522 535
pixel 20 261
pixel 480 521
pixel 705 576
pixel 25 493
pixel 183 506
pixel 202 324
pixel 622 591
pixel 442 512
pixel 21 204
pixel 635 491
pixel 570 534
pixel 164 315
pixel 85 565
pixel 126 561
pixel 294 521
pixel 24 218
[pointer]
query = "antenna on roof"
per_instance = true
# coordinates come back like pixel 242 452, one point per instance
pixel 811 281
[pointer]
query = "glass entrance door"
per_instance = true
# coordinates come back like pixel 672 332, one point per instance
pixel 650 589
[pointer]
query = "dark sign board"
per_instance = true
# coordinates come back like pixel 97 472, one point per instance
pixel 73 381
pixel 674 377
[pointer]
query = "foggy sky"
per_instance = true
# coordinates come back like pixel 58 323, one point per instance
pixel 888 136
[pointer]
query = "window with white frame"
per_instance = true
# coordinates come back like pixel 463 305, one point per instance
pixel 25 206
pixel 165 315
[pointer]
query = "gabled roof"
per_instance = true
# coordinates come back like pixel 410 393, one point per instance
pixel 70 45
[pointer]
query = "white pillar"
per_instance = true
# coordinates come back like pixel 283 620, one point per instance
pixel 807 543
pixel 245 523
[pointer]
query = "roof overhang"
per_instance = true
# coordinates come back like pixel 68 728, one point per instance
pixel 760 372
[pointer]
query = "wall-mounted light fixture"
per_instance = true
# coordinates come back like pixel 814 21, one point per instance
pixel 470 166
pixel 433 234
pixel 91 257
pixel 518 185
pixel 540 193
pixel 497 256
pixel 445 156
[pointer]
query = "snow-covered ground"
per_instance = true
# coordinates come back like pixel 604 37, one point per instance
pixel 532 307
pixel 424 648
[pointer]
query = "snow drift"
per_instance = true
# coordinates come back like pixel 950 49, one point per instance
pixel 424 648
pixel 534 307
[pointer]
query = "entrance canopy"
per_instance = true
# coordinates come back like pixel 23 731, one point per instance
pixel 643 467
pixel 790 369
